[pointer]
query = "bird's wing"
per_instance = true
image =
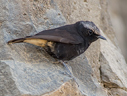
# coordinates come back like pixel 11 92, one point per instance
pixel 57 35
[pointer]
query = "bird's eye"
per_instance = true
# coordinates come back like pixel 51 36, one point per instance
pixel 90 32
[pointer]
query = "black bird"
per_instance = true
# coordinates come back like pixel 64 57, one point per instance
pixel 66 42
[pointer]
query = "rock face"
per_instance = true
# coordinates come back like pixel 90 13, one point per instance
pixel 26 70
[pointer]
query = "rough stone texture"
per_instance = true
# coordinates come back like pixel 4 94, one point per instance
pixel 113 69
pixel 67 89
pixel 26 70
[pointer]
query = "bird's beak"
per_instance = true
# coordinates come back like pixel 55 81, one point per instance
pixel 101 37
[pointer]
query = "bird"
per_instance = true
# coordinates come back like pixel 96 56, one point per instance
pixel 66 42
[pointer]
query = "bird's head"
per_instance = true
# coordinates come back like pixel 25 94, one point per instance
pixel 88 30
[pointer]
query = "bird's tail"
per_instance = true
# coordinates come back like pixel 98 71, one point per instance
pixel 20 40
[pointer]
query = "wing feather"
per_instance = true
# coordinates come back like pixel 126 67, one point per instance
pixel 58 35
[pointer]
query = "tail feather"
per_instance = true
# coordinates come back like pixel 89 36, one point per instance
pixel 20 40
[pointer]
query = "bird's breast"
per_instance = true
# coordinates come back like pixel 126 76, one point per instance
pixel 64 51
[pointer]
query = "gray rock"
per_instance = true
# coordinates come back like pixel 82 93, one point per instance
pixel 27 70
pixel 113 67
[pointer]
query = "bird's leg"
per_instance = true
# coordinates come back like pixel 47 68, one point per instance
pixel 66 68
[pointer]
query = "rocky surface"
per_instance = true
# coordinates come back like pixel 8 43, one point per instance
pixel 26 70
